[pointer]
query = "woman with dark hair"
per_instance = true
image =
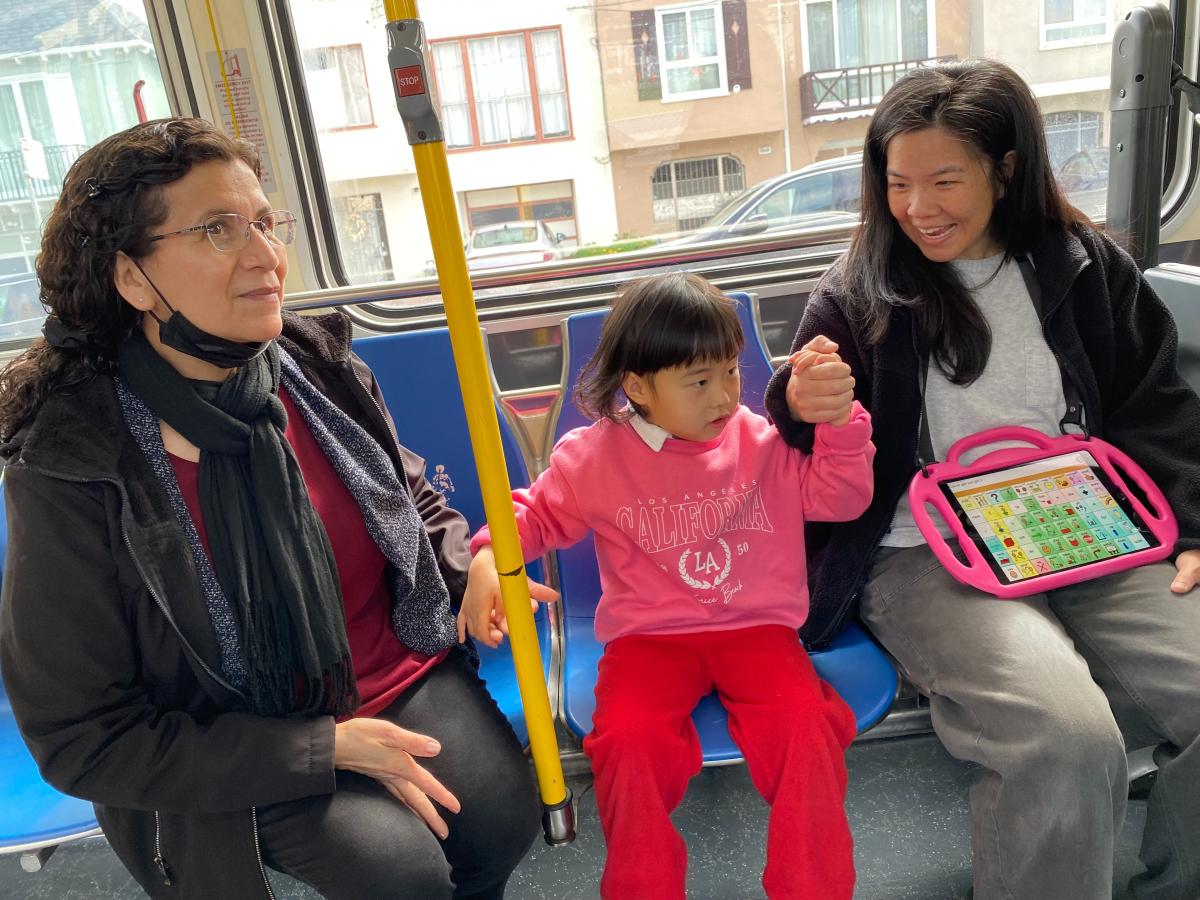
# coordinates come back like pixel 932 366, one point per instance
pixel 227 601
pixel 974 296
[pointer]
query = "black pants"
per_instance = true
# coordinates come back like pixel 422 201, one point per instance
pixel 360 842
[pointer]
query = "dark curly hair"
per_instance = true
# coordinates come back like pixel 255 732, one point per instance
pixel 111 202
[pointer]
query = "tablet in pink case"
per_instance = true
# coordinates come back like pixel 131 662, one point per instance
pixel 1033 518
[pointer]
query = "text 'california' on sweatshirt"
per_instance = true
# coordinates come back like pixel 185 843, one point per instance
pixel 695 536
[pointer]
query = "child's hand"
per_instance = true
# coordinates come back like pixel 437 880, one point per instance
pixel 482 612
pixel 820 388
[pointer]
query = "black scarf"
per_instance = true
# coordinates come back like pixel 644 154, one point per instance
pixel 269 548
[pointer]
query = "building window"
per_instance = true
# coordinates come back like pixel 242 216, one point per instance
pixel 856 49
pixel 1069 132
pixel 552 202
pixel 687 192
pixel 1073 22
pixel 362 238
pixel 337 87
pixel 41 134
pixel 502 89
pixel 691 51
pixel 843 34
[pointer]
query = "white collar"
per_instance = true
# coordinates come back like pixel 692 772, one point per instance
pixel 654 436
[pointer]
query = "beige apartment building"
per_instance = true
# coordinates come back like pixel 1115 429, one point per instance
pixel 705 98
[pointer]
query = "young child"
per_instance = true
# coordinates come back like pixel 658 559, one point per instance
pixel 698 509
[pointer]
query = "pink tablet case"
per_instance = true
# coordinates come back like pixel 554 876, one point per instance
pixel 924 492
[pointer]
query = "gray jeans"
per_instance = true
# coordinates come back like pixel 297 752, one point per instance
pixel 1045 693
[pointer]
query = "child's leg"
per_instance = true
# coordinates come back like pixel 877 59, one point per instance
pixel 793 730
pixel 644 748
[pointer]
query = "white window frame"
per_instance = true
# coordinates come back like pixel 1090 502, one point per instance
pixel 930 32
pixel 1045 43
pixel 68 123
pixel 334 53
pixel 664 66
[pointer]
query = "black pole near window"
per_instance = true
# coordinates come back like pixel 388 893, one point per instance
pixel 1140 102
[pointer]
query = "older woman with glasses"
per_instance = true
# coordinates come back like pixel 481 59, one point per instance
pixel 226 615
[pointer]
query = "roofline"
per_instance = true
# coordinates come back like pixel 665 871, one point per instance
pixel 135 43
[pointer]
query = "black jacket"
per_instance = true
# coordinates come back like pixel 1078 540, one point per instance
pixel 109 657
pixel 1113 338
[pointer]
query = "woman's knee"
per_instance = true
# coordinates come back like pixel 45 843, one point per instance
pixel 1082 749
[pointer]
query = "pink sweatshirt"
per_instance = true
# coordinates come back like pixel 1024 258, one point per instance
pixel 695 536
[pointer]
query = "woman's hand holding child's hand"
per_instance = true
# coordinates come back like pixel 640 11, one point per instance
pixel 821 388
pixel 383 751
pixel 482 612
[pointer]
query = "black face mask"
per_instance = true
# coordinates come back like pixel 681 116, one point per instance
pixel 179 333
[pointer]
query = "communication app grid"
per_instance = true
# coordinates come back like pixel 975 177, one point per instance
pixel 1046 516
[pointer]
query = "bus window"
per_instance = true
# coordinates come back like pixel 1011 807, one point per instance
pixel 70 74
pixel 711 120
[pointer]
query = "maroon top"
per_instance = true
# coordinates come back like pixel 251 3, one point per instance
pixel 383 667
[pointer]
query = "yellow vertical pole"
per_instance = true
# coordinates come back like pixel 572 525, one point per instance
pixel 410 79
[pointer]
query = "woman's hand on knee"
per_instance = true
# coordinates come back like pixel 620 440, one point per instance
pixel 482 612
pixel 820 388
pixel 386 752
pixel 1187 565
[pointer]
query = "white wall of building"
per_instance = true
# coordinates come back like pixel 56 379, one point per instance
pixel 378 159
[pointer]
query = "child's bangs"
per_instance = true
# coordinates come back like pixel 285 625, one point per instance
pixel 717 336
pixel 695 324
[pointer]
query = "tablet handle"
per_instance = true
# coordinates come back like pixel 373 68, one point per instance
pixel 1121 465
pixel 941 547
pixel 995 436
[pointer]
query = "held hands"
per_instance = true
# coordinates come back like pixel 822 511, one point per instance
pixel 385 752
pixel 821 388
pixel 482 612
pixel 1188 564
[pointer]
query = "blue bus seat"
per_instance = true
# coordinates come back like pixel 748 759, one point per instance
pixel 34 816
pixel 415 370
pixel 853 663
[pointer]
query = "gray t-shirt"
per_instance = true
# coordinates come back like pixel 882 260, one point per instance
pixel 1021 384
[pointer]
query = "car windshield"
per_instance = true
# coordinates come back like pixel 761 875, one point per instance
pixel 502 237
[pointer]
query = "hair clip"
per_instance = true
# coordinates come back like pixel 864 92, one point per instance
pixel 62 337
pixel 93 187
pixel 83 239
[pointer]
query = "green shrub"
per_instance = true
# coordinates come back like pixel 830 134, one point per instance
pixel 616 247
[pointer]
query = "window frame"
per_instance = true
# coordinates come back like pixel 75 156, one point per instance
pixel 539 136
pixel 665 65
pixel 60 120
pixel 358 126
pixel 931 50
pixel 1105 37
pixel 524 207
pixel 674 164
pixel 1076 127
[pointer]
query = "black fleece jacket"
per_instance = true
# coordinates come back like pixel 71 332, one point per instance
pixel 109 657
pixel 1114 339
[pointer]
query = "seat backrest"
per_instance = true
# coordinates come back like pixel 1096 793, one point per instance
pixel 578 573
pixel 1179 288
pixel 415 370
pixel 755 361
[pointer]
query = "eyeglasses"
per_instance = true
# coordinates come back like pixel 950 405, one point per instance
pixel 230 232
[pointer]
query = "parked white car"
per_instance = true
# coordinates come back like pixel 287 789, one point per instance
pixel 512 244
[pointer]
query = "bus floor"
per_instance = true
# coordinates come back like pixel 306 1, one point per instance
pixel 908 810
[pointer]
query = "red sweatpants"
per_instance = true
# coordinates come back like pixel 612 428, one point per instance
pixel 793 731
